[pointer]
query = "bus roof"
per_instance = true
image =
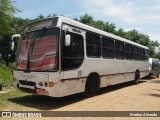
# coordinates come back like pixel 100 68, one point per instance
pixel 91 29
pixel 98 31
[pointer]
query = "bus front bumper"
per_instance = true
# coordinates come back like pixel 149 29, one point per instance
pixel 35 82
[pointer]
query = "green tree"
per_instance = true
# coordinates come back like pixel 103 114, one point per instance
pixel 5 48
pixel 17 24
pixel 110 27
pixel 99 25
pixel 89 20
pixel 151 50
pixel 6 14
pixel 51 15
pixel 155 43
pixel 157 55
pixel 121 32
pixel 143 39
pixel 132 35
pixel 86 19
pixel 40 17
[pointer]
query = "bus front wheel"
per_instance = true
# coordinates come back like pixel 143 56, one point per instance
pixel 92 85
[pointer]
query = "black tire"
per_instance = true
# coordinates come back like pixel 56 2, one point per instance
pixel 92 85
pixel 136 77
pixel 150 76
pixel 158 76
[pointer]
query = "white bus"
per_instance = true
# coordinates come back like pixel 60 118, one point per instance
pixel 59 56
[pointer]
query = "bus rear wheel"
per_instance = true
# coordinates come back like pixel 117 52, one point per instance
pixel 158 76
pixel 92 85
pixel 136 77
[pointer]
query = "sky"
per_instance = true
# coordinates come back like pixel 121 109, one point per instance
pixel 142 15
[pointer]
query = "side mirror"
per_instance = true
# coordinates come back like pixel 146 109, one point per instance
pixel 13 41
pixel 12 46
pixel 67 40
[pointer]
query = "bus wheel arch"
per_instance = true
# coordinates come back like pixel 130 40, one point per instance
pixel 136 77
pixel 92 85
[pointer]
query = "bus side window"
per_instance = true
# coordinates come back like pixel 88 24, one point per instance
pixel 119 47
pixel 108 47
pixel 73 55
pixel 136 53
pixel 129 51
pixel 142 54
pixel 93 45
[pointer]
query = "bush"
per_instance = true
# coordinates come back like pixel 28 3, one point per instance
pixel 5 74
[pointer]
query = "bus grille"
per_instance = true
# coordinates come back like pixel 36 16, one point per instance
pixel 27 90
pixel 29 83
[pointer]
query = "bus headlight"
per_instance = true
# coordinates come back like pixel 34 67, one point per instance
pixel 46 84
pixel 40 84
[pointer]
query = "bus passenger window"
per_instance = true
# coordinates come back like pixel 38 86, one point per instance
pixel 129 51
pixel 142 54
pixel 93 45
pixel 119 47
pixel 108 47
pixel 136 53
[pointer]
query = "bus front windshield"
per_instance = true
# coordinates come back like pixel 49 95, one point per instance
pixel 38 50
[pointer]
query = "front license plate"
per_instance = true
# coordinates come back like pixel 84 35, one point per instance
pixel 40 91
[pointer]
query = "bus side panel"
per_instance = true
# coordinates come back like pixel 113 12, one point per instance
pixel 70 87
pixel 115 71
pixel 116 79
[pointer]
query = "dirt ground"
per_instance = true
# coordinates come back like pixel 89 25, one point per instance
pixel 124 97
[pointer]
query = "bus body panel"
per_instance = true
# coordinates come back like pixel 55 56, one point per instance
pixel 112 66
pixel 114 71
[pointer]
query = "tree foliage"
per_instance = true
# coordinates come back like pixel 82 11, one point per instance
pixel 17 24
pixel 155 43
pixel 6 14
pixel 89 20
